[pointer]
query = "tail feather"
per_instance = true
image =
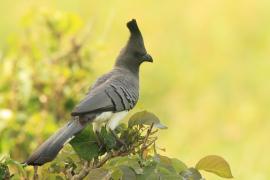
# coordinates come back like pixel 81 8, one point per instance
pixel 50 148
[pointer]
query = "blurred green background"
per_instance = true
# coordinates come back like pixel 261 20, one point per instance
pixel 209 82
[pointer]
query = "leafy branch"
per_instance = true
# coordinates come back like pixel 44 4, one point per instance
pixel 136 159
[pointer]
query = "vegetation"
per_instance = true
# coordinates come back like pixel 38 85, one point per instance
pixel 42 70
pixel 135 157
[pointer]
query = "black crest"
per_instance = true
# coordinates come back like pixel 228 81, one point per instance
pixel 133 27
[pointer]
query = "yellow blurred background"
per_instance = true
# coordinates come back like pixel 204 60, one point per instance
pixel 209 82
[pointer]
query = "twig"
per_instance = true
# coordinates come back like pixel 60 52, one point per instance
pixel 68 173
pixel 86 169
pixel 144 146
pixel 144 143
pixel 83 173
pixel 154 132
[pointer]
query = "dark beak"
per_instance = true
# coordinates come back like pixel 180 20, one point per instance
pixel 147 57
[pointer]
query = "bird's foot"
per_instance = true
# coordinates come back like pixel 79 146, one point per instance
pixel 100 142
pixel 120 141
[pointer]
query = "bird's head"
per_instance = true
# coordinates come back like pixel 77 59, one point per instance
pixel 134 53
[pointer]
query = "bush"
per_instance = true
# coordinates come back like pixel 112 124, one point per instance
pixel 133 156
pixel 41 72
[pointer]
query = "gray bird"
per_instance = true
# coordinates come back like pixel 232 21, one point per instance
pixel 107 102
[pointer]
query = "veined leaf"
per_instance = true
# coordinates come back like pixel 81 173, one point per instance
pixel 108 139
pixel 85 144
pixel 165 165
pixel 126 161
pixel 145 118
pixel 99 173
pixel 128 173
pixel 117 173
pixel 216 165
pixel 178 165
pixel 191 174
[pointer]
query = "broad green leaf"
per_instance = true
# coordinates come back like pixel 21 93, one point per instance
pixel 127 161
pixel 178 165
pixel 117 160
pixel 171 177
pixel 135 166
pixel 216 165
pixel 145 118
pixel 117 173
pixel 85 144
pixel 165 164
pixel 149 172
pixel 108 139
pixel 156 171
pixel 99 173
pixel 128 173
pixel 191 174
pixel 164 170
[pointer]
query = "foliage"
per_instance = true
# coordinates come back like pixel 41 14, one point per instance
pixel 41 72
pixel 215 164
pixel 133 156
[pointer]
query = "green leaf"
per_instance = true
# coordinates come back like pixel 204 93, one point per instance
pixel 108 139
pixel 117 173
pixel 149 172
pixel 216 165
pixel 171 177
pixel 85 144
pixel 128 173
pixel 117 161
pixel 191 174
pixel 131 162
pixel 145 118
pixel 135 166
pixel 99 173
pixel 178 165
pixel 164 164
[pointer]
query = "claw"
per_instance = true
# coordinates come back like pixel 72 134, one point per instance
pixel 118 139
pixel 99 141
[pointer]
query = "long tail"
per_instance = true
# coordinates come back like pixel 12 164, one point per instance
pixel 47 151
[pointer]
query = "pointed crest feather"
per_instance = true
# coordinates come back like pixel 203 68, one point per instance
pixel 133 27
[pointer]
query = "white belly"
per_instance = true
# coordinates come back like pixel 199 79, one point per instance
pixel 103 117
pixel 109 118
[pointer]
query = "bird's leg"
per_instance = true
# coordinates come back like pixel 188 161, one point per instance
pixel 113 123
pixel 99 140
pixel 118 139
pixel 97 129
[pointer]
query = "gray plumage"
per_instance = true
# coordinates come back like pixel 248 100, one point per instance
pixel 50 148
pixel 116 91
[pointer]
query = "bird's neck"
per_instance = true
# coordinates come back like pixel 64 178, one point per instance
pixel 129 65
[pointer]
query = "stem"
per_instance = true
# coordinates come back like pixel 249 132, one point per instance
pixel 144 146
pixel 83 173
